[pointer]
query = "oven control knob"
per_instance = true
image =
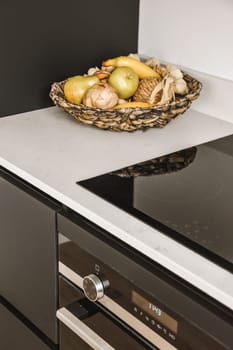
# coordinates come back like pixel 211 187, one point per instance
pixel 93 287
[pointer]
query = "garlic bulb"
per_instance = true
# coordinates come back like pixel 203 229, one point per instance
pixel 101 95
pixel 174 72
pixel 181 87
pixel 92 70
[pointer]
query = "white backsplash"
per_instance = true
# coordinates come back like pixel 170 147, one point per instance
pixel 197 36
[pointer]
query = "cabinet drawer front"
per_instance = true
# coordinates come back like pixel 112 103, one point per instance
pixel 15 335
pixel 28 256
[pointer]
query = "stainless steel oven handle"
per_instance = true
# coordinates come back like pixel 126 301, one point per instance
pixel 82 330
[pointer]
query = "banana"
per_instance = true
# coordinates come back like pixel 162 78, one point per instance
pixel 140 68
pixel 133 105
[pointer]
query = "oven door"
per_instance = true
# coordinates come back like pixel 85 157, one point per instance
pixel 86 325
pixel 147 304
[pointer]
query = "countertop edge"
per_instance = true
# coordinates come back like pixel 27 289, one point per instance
pixel 211 278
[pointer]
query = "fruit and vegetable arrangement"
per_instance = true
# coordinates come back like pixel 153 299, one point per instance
pixel 126 82
pixel 127 94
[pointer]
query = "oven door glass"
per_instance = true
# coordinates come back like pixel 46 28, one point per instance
pixel 84 325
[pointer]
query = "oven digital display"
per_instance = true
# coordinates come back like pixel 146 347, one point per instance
pixel 155 312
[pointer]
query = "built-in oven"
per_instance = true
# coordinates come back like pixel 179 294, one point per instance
pixel 112 297
pixel 87 325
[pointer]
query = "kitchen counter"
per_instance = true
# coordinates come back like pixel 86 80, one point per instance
pixel 52 151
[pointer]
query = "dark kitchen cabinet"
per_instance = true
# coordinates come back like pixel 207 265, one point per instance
pixel 28 262
pixel 15 335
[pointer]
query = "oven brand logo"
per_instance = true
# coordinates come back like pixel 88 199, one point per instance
pixel 155 309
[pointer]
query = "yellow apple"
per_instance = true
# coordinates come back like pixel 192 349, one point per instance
pixel 125 81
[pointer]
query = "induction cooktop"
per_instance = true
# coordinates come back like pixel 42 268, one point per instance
pixel 187 195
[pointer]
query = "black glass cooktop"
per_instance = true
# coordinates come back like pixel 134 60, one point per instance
pixel 187 195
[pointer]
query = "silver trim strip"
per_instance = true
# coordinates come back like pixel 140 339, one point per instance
pixel 120 312
pixel 82 330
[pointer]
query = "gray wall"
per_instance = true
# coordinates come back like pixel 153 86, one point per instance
pixel 49 40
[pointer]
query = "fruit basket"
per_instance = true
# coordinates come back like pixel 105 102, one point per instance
pixel 133 114
pixel 161 165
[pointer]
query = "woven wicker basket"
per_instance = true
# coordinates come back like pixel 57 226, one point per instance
pixel 128 119
pixel 162 165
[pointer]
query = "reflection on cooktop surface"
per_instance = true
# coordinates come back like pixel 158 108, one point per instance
pixel 194 203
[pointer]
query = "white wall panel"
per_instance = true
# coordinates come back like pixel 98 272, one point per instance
pixel 196 35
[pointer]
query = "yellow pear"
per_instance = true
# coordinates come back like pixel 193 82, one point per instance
pixel 76 87
pixel 140 68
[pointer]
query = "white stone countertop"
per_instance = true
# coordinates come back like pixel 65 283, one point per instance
pixel 52 151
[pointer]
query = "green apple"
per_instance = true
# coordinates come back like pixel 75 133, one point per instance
pixel 125 81
pixel 76 87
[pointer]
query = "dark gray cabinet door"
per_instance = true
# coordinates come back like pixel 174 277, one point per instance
pixel 15 335
pixel 28 256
